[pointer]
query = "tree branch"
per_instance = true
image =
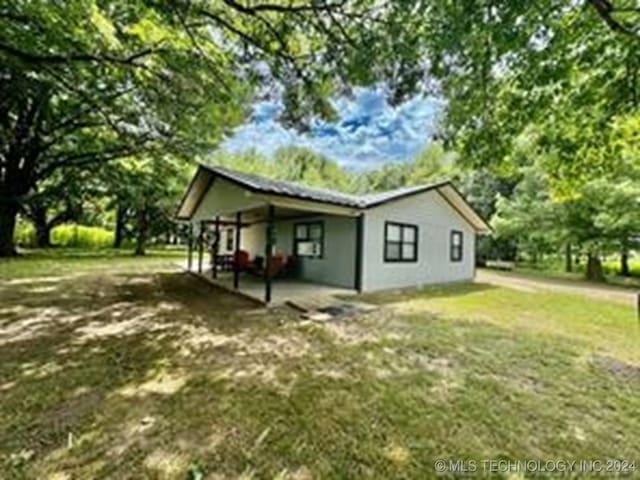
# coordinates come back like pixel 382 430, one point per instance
pixel 55 59
pixel 271 7
pixel 78 159
pixel 607 10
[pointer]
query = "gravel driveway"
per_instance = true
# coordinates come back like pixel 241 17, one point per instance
pixel 525 283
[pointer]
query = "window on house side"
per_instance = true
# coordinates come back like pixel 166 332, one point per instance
pixel 455 252
pixel 308 239
pixel 230 245
pixel 400 242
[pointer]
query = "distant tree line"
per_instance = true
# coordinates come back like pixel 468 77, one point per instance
pixel 137 198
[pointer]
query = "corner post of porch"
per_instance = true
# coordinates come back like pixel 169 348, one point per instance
pixel 268 252
pixel 359 252
pixel 236 256
pixel 214 253
pixel 200 246
pixel 190 247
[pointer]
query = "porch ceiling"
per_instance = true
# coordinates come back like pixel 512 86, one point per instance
pixel 260 214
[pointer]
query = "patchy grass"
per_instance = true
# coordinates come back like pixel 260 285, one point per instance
pixel 63 261
pixel 151 374
pixel 600 326
pixel 556 271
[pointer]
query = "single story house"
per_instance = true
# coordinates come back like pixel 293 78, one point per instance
pixel 407 237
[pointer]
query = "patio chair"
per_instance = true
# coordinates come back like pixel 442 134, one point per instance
pixel 278 265
pixel 242 261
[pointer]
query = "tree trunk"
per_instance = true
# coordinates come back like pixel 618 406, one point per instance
pixel 568 261
pixel 43 229
pixel 594 267
pixel 142 231
pixel 121 220
pixel 43 236
pixel 8 214
pixel 624 263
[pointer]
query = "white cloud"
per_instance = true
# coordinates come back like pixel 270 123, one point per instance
pixel 368 132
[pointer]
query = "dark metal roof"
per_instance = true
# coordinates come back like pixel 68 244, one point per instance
pixel 260 184
pixel 257 184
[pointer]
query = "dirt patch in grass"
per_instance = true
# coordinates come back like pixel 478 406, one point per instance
pixel 618 368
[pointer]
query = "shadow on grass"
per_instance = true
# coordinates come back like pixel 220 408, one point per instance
pixel 139 375
pixel 68 345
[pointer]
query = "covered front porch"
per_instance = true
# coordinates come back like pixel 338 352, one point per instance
pixel 283 290
pixel 271 248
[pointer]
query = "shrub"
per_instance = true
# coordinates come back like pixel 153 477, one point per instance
pixel 80 236
pixel 25 234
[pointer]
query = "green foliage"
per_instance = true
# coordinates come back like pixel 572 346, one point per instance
pixel 67 235
pixel 294 164
pixel 86 82
pixel 529 215
pixel 556 68
pixel 299 164
pixel 148 189
pixel 81 236
pixel 25 234
pixel 432 164
pixel 303 165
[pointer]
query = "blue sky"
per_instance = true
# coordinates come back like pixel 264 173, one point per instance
pixel 368 132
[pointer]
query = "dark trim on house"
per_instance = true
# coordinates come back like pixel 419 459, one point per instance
pixel 357 284
pixel 306 239
pixel 400 242
pixel 268 252
pixel 232 223
pixel 456 255
pixel 236 267
pixel 200 246
pixel 216 249
pixel 190 248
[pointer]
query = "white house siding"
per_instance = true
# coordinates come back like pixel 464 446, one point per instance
pixel 252 240
pixel 435 219
pixel 225 198
pixel 337 265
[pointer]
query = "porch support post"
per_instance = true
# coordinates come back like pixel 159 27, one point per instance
pixel 236 255
pixel 200 246
pixel 216 247
pixel 190 247
pixel 268 251
pixel 359 252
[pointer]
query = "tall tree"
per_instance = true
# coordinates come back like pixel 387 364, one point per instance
pixel 529 216
pixel 149 189
pixel 566 68
pixel 86 81
pixel 58 199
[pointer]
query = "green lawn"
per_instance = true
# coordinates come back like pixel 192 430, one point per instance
pixel 555 269
pixel 149 373
pixel 63 261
